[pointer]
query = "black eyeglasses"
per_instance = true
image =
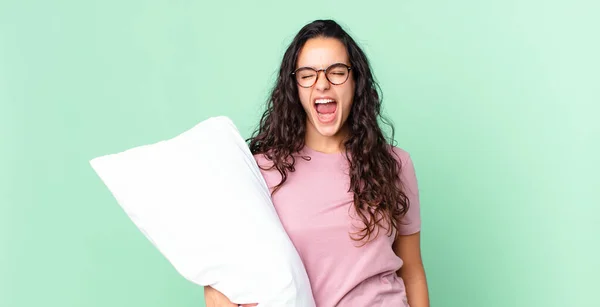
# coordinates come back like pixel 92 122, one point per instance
pixel 336 74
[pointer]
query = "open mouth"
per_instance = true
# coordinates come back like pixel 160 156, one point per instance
pixel 326 109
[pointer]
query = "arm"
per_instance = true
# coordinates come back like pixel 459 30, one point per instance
pixel 214 298
pixel 408 242
pixel 408 248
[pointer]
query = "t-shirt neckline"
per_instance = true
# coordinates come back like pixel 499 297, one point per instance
pixel 322 155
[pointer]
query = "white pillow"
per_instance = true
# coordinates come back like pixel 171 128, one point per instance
pixel 201 200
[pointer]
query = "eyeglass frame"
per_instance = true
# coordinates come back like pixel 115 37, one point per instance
pixel 324 70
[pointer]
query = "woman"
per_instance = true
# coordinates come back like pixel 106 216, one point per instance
pixel 347 198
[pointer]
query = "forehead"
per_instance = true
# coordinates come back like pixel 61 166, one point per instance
pixel 321 52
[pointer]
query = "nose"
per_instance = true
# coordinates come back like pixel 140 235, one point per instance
pixel 322 82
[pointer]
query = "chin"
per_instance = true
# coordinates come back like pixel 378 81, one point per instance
pixel 328 130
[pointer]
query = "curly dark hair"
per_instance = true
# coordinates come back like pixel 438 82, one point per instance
pixel 379 198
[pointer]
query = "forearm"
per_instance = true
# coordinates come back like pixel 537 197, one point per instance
pixel 416 287
pixel 211 297
pixel 214 298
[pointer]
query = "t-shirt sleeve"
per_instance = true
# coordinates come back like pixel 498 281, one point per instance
pixel 411 222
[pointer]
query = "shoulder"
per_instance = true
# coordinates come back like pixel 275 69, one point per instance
pixel 261 158
pixel 267 169
pixel 401 155
pixel 263 162
pixel 406 166
pixel 411 221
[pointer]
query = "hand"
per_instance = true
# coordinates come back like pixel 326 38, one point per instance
pixel 214 298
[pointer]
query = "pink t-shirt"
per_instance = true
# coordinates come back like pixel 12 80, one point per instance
pixel 315 208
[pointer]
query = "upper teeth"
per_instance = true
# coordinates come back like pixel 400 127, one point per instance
pixel 324 100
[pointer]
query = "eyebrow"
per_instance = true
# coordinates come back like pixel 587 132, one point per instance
pixel 313 67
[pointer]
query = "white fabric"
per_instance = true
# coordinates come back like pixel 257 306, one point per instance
pixel 203 203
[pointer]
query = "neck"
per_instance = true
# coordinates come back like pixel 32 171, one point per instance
pixel 325 144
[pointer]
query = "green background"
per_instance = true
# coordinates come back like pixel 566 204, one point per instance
pixel 497 101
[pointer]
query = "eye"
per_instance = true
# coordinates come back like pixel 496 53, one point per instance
pixel 338 70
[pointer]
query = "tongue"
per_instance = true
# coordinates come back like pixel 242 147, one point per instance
pixel 326 108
